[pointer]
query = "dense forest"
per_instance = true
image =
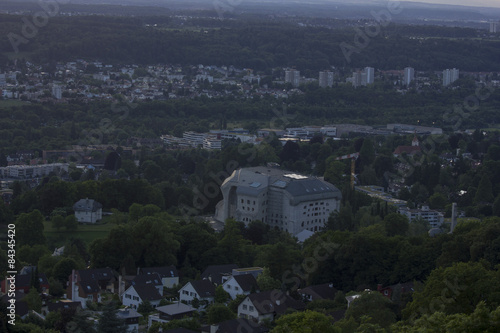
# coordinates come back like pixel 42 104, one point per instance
pixel 58 126
pixel 260 45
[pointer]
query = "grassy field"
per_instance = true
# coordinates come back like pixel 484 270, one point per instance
pixel 88 233
pixel 6 103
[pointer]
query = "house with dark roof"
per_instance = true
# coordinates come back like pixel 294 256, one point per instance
pixel 267 304
pixel 400 288
pixel 149 279
pixel 168 274
pixel 105 277
pixel 239 325
pixel 131 319
pixel 88 284
pixel 316 292
pixel 137 294
pixel 87 211
pixel 83 291
pixel 202 290
pixel 170 312
pixel 62 306
pixel 240 285
pixel 23 283
pixel 217 274
pixel 409 150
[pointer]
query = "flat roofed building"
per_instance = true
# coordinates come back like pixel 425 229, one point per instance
pixel 281 199
pixel 434 217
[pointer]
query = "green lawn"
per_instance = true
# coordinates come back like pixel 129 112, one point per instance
pixel 6 103
pixel 88 233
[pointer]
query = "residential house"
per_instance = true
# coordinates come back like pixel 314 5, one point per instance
pixel 23 283
pixel 87 211
pixel 170 312
pixel 202 290
pixel 89 284
pixel 409 150
pixel 137 294
pixel 216 273
pixel 168 274
pixel 396 290
pixel 255 271
pixel 104 277
pixel 149 279
pixel 240 285
pixel 63 306
pixel 266 305
pixel 83 291
pixel 316 292
pixel 131 319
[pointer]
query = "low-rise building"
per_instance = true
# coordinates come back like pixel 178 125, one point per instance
pixel 434 217
pixel 202 290
pixel 266 305
pixel 170 312
pixel 317 292
pixel 131 319
pixel 89 284
pixel 240 285
pixel 135 295
pixel 168 274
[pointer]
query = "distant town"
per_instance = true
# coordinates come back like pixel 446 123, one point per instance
pixel 86 81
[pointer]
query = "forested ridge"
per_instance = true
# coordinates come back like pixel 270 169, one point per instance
pixel 260 45
pixel 56 126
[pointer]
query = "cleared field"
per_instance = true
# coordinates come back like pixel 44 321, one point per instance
pixel 88 233
pixel 9 103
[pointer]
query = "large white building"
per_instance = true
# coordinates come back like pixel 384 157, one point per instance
pixel 369 75
pixel 408 76
pixel 364 77
pixel 450 76
pixel 292 76
pixel 494 27
pixel 326 79
pixel 281 199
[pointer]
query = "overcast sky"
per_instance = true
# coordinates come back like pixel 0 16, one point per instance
pixel 480 3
